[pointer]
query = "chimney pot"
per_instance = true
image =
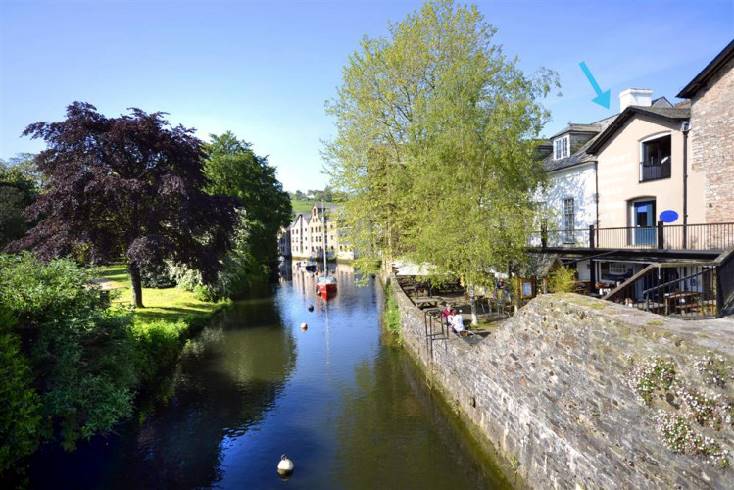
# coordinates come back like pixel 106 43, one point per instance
pixel 635 96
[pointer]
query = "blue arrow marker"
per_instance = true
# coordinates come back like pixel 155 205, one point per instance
pixel 602 98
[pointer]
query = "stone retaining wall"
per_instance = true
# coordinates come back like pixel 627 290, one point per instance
pixel 550 391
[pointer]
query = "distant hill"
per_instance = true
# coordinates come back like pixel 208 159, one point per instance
pixel 301 205
pixel 305 205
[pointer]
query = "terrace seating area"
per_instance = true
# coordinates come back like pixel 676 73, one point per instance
pixel 683 290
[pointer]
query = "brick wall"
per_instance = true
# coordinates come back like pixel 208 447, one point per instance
pixel 712 143
pixel 549 391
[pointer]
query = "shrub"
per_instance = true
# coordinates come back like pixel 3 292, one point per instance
pixel 391 314
pixel 78 352
pixel 20 415
pixel 159 343
pixel 561 280
pixel 157 276
pixel 239 274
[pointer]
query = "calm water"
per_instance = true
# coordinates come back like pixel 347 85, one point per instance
pixel 348 408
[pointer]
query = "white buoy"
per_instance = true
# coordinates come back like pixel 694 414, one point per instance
pixel 285 466
pixel 304 326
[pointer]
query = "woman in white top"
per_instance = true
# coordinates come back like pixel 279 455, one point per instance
pixel 457 322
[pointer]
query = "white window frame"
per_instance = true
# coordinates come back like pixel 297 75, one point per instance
pixel 564 145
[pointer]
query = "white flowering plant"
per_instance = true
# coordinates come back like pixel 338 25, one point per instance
pixel 687 411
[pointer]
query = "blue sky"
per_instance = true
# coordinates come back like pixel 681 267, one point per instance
pixel 264 69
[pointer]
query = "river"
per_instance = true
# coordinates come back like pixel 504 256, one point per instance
pixel 348 407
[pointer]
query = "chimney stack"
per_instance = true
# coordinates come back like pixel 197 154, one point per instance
pixel 635 96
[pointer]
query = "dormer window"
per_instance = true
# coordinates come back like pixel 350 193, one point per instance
pixel 561 147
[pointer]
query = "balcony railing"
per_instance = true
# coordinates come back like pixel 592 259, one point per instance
pixel 654 170
pixel 708 236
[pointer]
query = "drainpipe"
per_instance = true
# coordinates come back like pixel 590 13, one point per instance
pixel 592 264
pixel 685 127
pixel 596 193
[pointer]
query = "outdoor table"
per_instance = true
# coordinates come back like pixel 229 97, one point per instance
pixel 682 301
pixel 426 302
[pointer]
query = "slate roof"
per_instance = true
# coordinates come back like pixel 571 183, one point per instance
pixel 701 80
pixel 661 102
pixel 580 156
pixel 578 128
pixel 668 113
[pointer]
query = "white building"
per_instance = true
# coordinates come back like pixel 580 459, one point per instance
pixel 571 196
pixel 312 234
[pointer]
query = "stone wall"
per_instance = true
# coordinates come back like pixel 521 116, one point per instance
pixel 550 391
pixel 712 143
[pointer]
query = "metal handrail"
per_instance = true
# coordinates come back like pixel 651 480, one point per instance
pixel 684 278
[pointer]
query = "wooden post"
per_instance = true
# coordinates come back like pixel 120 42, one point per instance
pixel 719 291
pixel 592 276
pixel 660 235
pixel 544 235
pixel 592 241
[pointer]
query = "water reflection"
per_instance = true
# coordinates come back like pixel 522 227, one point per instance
pixel 351 411
pixel 228 378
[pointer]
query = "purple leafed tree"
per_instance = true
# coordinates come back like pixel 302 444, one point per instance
pixel 128 187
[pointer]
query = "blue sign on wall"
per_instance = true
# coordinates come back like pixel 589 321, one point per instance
pixel 668 216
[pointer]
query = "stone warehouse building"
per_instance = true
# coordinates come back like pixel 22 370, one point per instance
pixel 310 234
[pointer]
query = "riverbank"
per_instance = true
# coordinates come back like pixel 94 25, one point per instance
pixel 553 390
pixel 171 317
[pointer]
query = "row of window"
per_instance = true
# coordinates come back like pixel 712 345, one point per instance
pixel 655 154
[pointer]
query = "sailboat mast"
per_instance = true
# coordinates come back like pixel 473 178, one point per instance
pixel 324 242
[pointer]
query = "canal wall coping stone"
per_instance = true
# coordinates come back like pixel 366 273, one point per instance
pixel 550 391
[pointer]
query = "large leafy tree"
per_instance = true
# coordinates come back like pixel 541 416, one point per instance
pixel 436 143
pixel 130 186
pixel 233 169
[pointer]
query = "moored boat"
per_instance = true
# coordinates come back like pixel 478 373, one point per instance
pixel 311 267
pixel 326 285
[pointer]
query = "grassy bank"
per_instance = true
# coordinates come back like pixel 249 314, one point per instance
pixel 171 316
pixel 301 206
pixel 171 304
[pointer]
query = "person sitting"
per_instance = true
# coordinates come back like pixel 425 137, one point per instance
pixel 446 313
pixel 456 320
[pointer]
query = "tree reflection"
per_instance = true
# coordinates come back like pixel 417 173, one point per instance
pixel 228 379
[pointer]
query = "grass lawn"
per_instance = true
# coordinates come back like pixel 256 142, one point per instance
pixel 169 304
pixel 301 206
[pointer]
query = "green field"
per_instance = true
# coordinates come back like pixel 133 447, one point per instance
pixel 168 304
pixel 301 206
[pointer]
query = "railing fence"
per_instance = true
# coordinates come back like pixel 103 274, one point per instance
pixel 705 236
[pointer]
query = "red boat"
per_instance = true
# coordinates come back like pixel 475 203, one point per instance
pixel 326 286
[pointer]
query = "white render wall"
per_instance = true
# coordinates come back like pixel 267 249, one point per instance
pixel 579 183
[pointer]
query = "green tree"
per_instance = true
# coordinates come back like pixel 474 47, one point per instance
pixel 436 141
pixel 233 169
pixel 19 184
pixel 127 186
